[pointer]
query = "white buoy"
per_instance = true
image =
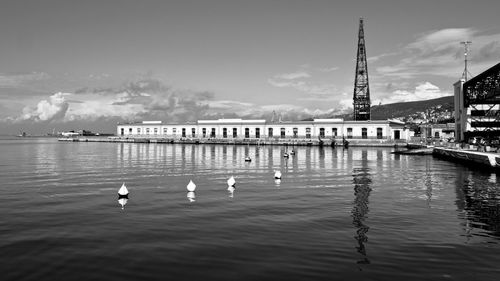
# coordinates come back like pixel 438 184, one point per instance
pixel 123 191
pixel 248 159
pixel 191 196
pixel 191 186
pixel 285 155
pixel 122 201
pixel 231 181
pixel 277 175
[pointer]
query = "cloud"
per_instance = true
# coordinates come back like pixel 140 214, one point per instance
pixel 293 75
pixel 423 91
pixel 18 79
pixel 54 108
pixel 329 69
pixel 440 53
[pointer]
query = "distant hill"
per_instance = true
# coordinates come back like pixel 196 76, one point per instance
pixel 436 109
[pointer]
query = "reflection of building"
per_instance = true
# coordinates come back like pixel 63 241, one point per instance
pixel 477 105
pixel 261 129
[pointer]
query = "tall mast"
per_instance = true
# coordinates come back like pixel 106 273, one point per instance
pixel 466 50
pixel 361 88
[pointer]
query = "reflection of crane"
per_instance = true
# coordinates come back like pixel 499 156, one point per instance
pixel 362 189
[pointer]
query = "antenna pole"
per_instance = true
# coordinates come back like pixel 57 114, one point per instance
pixel 466 50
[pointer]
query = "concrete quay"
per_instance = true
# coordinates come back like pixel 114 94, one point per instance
pixel 248 141
pixel 485 159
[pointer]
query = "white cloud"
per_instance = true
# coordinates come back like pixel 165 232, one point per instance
pixel 54 108
pixel 293 75
pixel 439 53
pixel 19 79
pixel 423 91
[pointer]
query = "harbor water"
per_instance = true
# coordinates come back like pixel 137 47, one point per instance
pixel 336 214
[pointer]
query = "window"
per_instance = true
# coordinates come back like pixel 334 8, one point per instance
pixel 156 131
pixel 247 133
pixel 212 134
pixel 138 131
pixel 235 132
pixel 257 133
pixel 364 133
pixel 147 131
pixel 334 132
pixel 204 132
pixel 379 133
pixel 193 132
pixel 122 131
pixel 224 132
pixel 283 133
pixel 349 133
pixel 183 132
pixel 129 131
pixel 174 131
pixel 308 133
pixel 436 134
pixel 164 131
pixel 321 132
pixel 295 132
pixel 270 132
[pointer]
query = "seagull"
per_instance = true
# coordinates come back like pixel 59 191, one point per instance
pixel 277 175
pixel 191 186
pixel 248 159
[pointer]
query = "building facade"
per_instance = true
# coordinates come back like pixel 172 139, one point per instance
pixel 261 129
pixel 477 105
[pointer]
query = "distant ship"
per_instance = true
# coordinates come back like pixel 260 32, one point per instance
pixel 70 134
pixel 22 135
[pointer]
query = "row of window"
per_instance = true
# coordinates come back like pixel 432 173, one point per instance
pixel 234 132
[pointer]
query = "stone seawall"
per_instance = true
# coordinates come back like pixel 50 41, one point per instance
pixel 250 141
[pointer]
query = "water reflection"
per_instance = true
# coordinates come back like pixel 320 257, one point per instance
pixel 481 203
pixel 231 190
pixel 362 189
pixel 122 200
pixel 191 196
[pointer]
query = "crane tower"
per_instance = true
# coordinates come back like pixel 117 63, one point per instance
pixel 361 88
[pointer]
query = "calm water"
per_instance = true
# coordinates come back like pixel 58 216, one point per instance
pixel 356 214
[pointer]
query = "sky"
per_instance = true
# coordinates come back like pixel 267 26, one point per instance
pixel 70 65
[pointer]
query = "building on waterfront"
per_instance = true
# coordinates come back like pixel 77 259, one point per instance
pixel 259 129
pixel 477 105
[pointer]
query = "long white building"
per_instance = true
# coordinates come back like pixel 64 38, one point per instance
pixel 261 129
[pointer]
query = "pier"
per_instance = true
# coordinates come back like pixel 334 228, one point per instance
pixel 244 141
pixel 484 158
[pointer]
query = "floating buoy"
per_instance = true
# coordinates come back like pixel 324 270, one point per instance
pixel 285 155
pixel 231 181
pixel 191 186
pixel 191 196
pixel 123 191
pixel 248 159
pixel 293 152
pixel 277 175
